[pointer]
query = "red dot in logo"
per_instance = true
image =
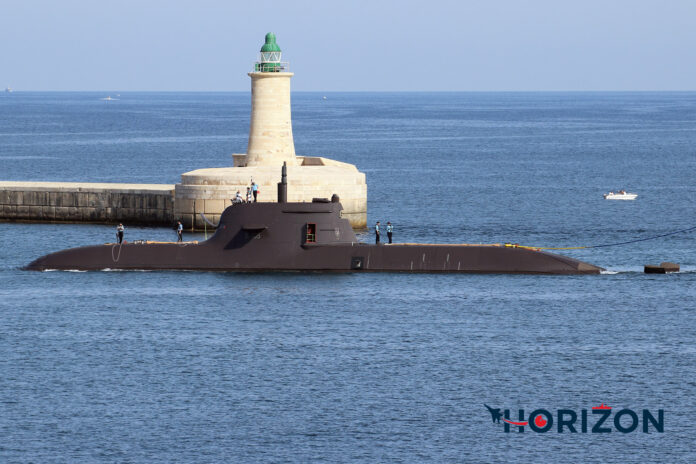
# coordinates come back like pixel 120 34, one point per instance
pixel 539 421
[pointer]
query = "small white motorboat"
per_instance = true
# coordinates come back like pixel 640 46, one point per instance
pixel 620 195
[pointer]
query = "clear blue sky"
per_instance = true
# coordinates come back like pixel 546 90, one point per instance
pixel 350 45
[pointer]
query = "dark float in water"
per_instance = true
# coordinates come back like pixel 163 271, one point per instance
pixel 305 237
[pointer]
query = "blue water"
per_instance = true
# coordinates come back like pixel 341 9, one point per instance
pixel 206 367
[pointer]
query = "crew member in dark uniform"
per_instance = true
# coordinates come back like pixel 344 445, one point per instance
pixel 119 233
pixel 179 232
pixel 377 233
pixel 390 229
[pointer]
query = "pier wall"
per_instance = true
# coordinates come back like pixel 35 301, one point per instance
pixel 164 204
pixel 144 204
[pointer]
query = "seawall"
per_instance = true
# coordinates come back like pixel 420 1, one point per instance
pixel 143 204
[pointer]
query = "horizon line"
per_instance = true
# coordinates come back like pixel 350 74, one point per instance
pixel 13 90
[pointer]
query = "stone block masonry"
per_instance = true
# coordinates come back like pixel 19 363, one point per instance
pixel 157 204
pixel 143 204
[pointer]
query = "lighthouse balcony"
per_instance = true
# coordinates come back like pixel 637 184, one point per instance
pixel 240 161
pixel 273 66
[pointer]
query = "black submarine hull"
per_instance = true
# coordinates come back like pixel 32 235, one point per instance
pixel 263 237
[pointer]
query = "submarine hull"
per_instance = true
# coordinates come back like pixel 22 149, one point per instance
pixel 263 237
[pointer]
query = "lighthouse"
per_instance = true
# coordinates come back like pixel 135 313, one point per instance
pixel 270 131
pixel 203 194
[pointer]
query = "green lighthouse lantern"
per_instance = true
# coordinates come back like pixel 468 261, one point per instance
pixel 270 56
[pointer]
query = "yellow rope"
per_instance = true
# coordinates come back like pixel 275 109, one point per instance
pixel 511 245
pixel 447 244
pixel 154 242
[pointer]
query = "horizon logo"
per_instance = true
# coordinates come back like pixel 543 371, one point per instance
pixel 542 420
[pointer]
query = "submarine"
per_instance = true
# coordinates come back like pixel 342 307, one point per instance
pixel 287 236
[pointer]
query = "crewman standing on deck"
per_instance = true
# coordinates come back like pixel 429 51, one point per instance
pixel 179 231
pixel 377 233
pixel 119 233
pixel 390 229
pixel 255 190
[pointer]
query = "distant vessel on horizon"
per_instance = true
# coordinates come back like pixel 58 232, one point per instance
pixel 8 90
pixel 108 98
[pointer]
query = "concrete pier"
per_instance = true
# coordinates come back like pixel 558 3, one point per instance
pixel 144 204
pixel 209 191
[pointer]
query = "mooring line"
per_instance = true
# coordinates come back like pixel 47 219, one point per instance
pixel 510 245
pixel 119 252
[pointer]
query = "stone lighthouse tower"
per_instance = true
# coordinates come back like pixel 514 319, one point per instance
pixel 270 131
pixel 205 193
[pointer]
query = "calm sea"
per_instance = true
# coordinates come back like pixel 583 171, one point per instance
pixel 222 367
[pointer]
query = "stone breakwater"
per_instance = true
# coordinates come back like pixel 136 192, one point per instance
pixel 164 204
pixel 144 204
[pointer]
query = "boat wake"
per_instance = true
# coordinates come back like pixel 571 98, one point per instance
pixel 108 269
